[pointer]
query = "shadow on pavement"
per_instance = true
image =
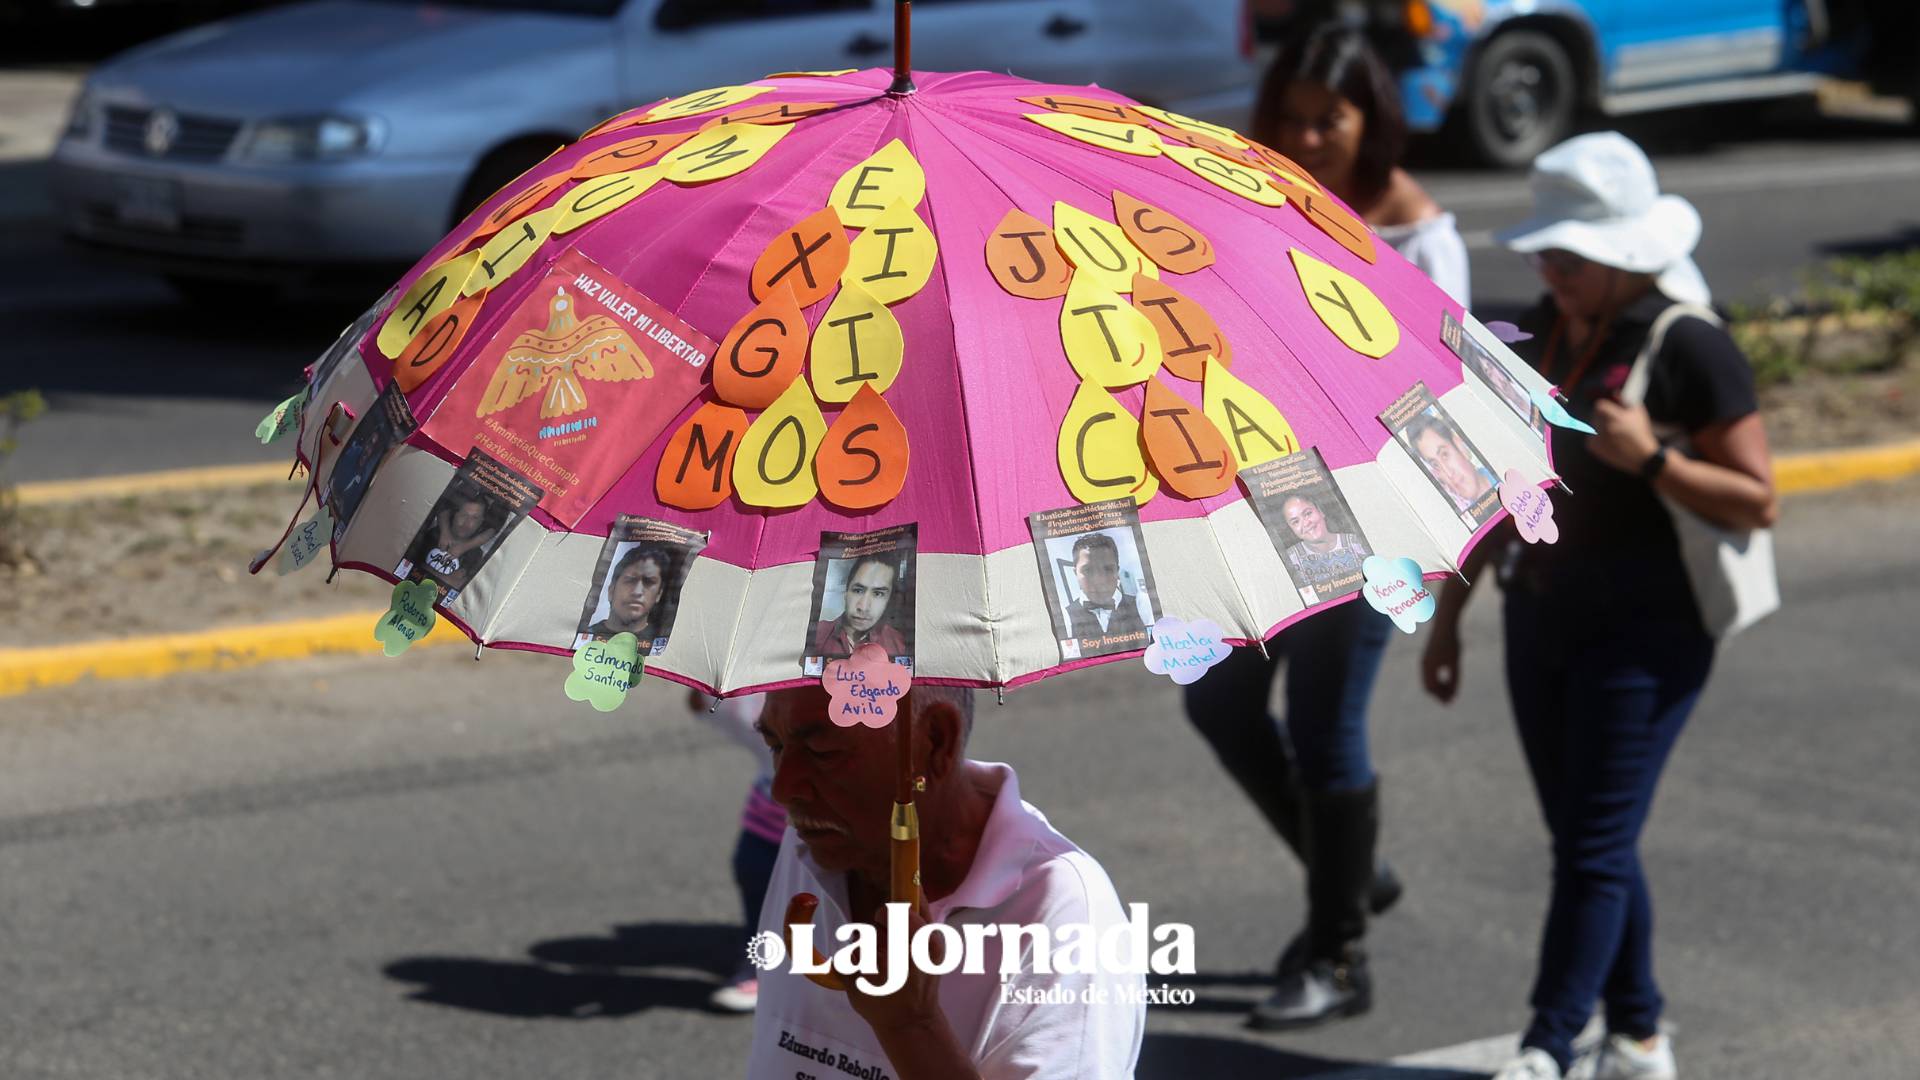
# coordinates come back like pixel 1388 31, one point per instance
pixel 634 969
pixel 1166 1055
pixel 1901 238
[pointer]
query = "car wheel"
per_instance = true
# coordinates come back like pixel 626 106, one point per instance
pixel 1522 99
pixel 498 169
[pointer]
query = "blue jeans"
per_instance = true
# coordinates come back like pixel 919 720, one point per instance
pixel 1331 660
pixel 753 859
pixel 1599 704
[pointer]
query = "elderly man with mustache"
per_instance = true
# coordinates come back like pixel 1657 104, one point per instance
pixel 987 858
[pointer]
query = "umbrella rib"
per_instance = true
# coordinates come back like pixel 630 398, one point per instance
pixel 714 191
pixel 966 421
pixel 1363 438
pixel 1182 176
pixel 760 520
pixel 1246 601
pixel 1194 184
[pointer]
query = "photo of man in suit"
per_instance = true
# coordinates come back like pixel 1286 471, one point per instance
pixel 1103 608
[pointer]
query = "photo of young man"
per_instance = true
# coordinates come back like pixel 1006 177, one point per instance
pixel 1103 607
pixel 862 595
pixel 636 586
pixel 1099 586
pixel 1451 461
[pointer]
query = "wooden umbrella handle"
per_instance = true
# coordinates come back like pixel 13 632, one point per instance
pixel 905 861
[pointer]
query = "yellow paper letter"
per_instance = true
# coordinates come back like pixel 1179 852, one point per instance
pixel 1099 249
pixel 1349 309
pixel 1099 450
pixel 510 249
pixel 1106 134
pixel 865 191
pixel 858 343
pixel 1256 429
pixel 720 97
pixel 1108 341
pixel 774 466
pixel 720 152
pixel 603 195
pixel 894 257
pixel 1243 180
pixel 431 293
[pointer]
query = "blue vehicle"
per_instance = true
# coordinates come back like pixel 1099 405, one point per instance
pixel 1513 77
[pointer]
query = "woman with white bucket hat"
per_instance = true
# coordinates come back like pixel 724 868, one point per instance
pixel 1607 645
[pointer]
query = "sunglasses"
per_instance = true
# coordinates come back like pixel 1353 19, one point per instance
pixel 1556 260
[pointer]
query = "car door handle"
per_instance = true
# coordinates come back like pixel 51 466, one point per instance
pixel 1062 26
pixel 866 45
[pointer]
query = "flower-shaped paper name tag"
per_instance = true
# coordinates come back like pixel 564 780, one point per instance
pixel 1395 590
pixel 408 619
pixel 603 671
pixel 1532 510
pixel 1557 414
pixel 1507 332
pixel 306 542
pixel 284 418
pixel 865 688
pixel 1183 651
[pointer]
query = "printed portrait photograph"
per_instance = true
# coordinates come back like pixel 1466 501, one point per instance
pixel 387 422
pixel 466 524
pixel 1454 465
pixel 1310 523
pixel 1101 591
pixel 636 585
pixel 863 594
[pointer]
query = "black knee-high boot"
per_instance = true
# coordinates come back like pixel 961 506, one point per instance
pixel 1341 829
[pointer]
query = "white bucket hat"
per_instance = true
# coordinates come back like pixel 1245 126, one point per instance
pixel 1596 196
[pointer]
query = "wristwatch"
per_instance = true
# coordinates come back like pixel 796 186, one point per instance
pixel 1651 468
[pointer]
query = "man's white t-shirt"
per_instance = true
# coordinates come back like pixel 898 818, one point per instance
pixel 1024 872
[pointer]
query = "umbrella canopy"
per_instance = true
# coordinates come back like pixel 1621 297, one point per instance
pixel 772 332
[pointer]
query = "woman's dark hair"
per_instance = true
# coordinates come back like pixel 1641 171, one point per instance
pixel 1337 56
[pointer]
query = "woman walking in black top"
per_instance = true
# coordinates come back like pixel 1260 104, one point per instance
pixel 1606 652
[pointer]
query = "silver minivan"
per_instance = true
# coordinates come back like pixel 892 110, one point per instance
pixel 343 132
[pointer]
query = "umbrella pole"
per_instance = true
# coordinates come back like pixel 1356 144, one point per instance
pixel 905 826
pixel 902 48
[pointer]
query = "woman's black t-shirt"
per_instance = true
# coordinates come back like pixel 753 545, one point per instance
pixel 1617 552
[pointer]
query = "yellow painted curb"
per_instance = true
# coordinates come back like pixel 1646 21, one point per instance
pixel 117 487
pixel 1825 470
pixel 23 670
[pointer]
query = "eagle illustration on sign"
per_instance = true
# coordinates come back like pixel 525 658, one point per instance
pixel 557 358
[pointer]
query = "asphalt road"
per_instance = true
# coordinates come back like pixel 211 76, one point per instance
pixel 139 381
pixel 436 868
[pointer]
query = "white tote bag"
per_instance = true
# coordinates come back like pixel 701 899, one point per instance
pixel 1731 570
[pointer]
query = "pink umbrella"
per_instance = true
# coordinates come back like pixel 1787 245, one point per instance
pixel 847 361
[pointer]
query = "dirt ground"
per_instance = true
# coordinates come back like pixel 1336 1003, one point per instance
pixel 163 563
pixel 178 561
pixel 1816 413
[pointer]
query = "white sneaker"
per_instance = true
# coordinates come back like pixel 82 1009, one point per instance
pixel 738 995
pixel 1531 1065
pixel 1622 1058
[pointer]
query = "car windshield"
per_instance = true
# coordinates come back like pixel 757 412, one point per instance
pixel 553 7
